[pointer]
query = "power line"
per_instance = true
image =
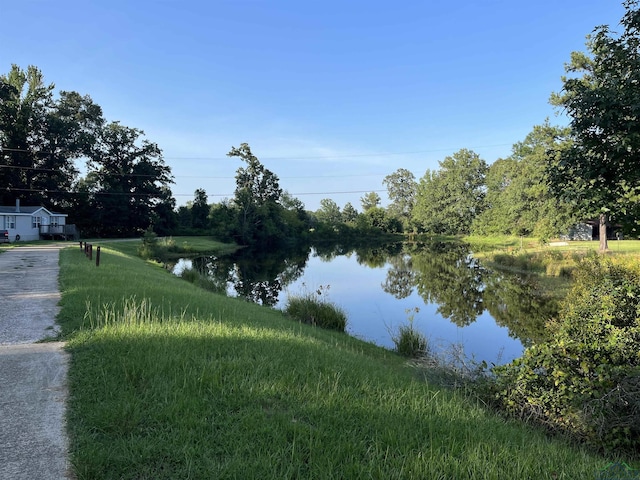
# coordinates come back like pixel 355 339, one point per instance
pixel 40 169
pixel 39 190
pixel 318 157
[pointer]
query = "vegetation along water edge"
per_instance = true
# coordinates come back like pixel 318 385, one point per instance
pixel 171 381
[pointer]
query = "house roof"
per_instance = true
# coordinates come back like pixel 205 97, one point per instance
pixel 11 210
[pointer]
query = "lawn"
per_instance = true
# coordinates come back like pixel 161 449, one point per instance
pixel 168 381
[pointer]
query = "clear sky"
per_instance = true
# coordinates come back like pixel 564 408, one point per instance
pixel 332 96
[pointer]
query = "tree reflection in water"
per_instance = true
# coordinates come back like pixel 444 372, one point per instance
pixel 442 273
pixel 255 275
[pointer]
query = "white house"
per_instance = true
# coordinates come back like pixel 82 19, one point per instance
pixel 33 223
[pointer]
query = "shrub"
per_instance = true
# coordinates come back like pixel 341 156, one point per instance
pixel 410 342
pixel 586 380
pixel 312 309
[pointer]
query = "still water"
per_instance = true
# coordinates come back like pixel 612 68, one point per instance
pixel 447 294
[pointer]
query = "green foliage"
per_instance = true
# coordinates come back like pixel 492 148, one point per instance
pixel 188 384
pixel 124 189
pixel 349 214
pixel 265 217
pixel 410 342
pixel 329 213
pixel 378 218
pixel 200 210
pixel 599 172
pixel 40 137
pixel 311 308
pixel 369 200
pixel 585 381
pixel 449 199
pixel 401 188
pixel 519 201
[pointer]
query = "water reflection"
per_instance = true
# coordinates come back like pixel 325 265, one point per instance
pixel 444 277
pixel 253 274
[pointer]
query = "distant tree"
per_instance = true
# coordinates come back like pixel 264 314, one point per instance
pixel 600 171
pixel 519 200
pixel 200 209
pixel 370 200
pixel 401 188
pixel 349 213
pixel 164 219
pixel 184 216
pixel 329 213
pixel 379 219
pixel 222 220
pixel 257 198
pixel 448 200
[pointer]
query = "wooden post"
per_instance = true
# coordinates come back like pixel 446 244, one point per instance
pixel 80 244
pixel 97 256
pixel 91 252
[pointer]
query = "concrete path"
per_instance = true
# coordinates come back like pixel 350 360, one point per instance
pixel 33 376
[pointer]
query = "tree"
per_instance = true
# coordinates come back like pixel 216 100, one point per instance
pixel 41 136
pixel 401 188
pixel 257 198
pixel 349 213
pixel 448 200
pixel 519 200
pixel 200 209
pixel 370 200
pixel 130 180
pixel 600 171
pixel 329 213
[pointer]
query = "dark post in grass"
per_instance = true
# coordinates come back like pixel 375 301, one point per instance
pixel 97 256
pixel 90 251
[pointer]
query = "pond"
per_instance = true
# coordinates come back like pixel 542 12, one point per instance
pixel 448 295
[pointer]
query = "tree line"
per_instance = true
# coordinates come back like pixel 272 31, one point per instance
pixel 556 176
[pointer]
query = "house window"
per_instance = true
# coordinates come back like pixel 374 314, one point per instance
pixel 35 222
pixel 9 222
pixel 55 221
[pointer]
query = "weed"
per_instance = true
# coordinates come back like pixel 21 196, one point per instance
pixel 314 309
pixel 410 342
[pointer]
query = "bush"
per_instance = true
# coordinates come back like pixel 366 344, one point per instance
pixel 586 380
pixel 312 309
pixel 410 342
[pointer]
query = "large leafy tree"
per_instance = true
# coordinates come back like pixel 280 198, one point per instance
pixel 519 200
pixel 257 198
pixel 41 136
pixel 401 188
pixel 602 97
pixel 448 199
pixel 129 180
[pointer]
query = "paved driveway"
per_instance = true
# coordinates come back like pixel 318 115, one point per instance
pixel 33 376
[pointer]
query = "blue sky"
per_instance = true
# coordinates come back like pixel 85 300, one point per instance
pixel 332 96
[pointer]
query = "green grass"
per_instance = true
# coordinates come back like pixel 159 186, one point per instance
pixel 182 245
pixel 311 309
pixel 168 381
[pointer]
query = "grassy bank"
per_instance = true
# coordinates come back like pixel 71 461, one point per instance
pixel 169 381
pixel 552 262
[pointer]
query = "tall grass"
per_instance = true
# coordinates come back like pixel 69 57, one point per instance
pixel 313 308
pixel 168 381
